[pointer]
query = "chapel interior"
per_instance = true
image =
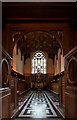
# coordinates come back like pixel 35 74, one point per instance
pixel 39 61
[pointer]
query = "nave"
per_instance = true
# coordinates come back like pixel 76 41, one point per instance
pixel 38 61
pixel 39 105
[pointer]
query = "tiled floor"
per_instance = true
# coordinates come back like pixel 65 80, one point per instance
pixel 23 97
pixel 54 98
pixel 38 106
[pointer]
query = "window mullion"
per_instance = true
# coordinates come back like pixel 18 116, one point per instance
pixel 38 61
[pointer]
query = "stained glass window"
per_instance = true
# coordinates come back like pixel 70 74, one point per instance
pixel 39 63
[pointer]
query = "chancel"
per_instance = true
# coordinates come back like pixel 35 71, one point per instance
pixel 39 61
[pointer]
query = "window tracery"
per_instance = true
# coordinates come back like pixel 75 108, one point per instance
pixel 39 63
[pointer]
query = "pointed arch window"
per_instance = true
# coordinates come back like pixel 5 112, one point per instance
pixel 39 63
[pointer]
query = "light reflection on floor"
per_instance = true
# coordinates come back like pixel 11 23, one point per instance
pixel 38 106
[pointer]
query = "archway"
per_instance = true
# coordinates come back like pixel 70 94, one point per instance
pixel 5 82
pixel 32 41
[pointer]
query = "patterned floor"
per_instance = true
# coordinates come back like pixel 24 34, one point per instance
pixel 54 98
pixel 38 106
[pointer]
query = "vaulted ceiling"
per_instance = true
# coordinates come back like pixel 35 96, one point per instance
pixel 37 40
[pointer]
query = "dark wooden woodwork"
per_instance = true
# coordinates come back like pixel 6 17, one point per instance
pixel 38 10
pixel 71 59
pixel 39 16
pixel 58 85
pixel 6 68
pixel 71 86
pixel 5 100
pixel 39 80
pixel 60 22
pixel 4 74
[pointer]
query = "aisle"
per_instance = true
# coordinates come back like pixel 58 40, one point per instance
pixel 38 106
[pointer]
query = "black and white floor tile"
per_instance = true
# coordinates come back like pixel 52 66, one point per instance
pixel 38 106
